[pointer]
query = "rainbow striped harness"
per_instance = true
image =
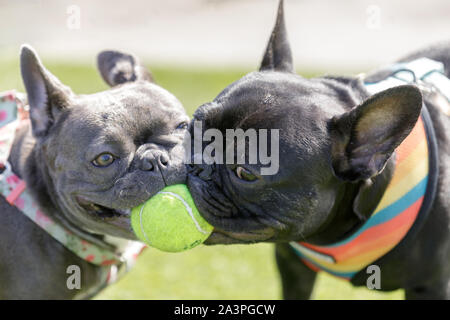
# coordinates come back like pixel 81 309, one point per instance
pixel 409 195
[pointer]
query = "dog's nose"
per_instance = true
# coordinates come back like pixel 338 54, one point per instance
pixel 152 159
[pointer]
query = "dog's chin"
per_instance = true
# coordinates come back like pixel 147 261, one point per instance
pixel 236 230
pixel 224 237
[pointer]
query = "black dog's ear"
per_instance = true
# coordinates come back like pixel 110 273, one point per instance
pixel 364 138
pixel 47 96
pixel 278 56
pixel 116 68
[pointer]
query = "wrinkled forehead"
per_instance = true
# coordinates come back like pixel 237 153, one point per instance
pixel 298 108
pixel 133 97
pixel 271 100
pixel 128 110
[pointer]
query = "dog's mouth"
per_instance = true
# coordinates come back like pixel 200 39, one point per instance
pixel 231 224
pixel 100 211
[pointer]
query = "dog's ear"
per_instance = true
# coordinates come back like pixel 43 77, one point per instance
pixel 278 56
pixel 364 138
pixel 117 67
pixel 47 96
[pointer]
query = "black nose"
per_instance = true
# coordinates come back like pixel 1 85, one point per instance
pixel 152 159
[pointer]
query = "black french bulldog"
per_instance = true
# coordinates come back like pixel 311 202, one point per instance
pixel 87 160
pixel 337 148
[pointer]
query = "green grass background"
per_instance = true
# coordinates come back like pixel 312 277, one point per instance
pixel 219 272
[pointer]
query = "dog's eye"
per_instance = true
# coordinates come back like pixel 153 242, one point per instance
pixel 103 160
pixel 244 174
pixel 182 126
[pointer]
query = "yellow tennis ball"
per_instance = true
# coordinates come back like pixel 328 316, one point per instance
pixel 170 221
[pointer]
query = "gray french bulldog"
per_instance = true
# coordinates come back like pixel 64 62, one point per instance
pixel 87 160
pixel 337 149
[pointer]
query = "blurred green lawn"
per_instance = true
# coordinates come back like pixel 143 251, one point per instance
pixel 219 272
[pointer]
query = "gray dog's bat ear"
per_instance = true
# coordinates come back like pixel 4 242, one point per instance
pixel 364 138
pixel 117 67
pixel 47 96
pixel 278 56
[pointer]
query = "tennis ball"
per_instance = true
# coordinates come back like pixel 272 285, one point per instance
pixel 169 221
